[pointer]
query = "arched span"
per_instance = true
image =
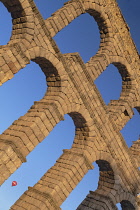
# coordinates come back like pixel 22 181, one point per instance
pixel 121 109
pixel 127 201
pixel 81 36
pixel 126 205
pixel 109 84
pixel 82 143
pixel 136 105
pixel 61 18
pixel 26 132
pixel 51 65
pixel 127 80
pixel 127 74
pixel 21 14
pixel 101 198
pixel 81 130
pixel 50 71
pixel 106 179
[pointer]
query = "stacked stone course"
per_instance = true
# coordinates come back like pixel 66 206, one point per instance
pixel 71 90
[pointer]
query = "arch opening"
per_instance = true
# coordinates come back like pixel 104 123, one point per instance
pixel 51 73
pixel 106 176
pixel 19 93
pixel 100 197
pixel 109 84
pixel 6 26
pixel 39 161
pixel 125 205
pixel 131 130
pixel 81 35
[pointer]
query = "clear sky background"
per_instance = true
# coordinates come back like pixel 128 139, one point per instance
pixel 29 85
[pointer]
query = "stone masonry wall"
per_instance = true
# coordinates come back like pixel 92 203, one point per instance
pixel 71 90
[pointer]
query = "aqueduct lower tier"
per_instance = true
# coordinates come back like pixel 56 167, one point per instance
pixel 71 90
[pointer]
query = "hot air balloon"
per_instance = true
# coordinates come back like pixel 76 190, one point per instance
pixel 14 183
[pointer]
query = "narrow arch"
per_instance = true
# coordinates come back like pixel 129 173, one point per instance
pixel 80 124
pixel 101 198
pixel 26 132
pixel 50 71
pixel 109 84
pixel 78 8
pixel 51 65
pixel 82 132
pixel 52 172
pixel 61 19
pixel 131 129
pixel 106 180
pixel 81 36
pixel 20 93
pixel 119 100
pixel 127 201
pixel 79 158
pixel 127 80
pixel 11 6
pixel 21 13
pixel 126 205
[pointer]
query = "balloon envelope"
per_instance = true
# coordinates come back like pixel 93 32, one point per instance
pixel 14 183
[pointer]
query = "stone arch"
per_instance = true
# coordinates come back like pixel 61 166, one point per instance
pixel 26 132
pixel 101 16
pixel 127 201
pixel 126 205
pixel 109 84
pixel 80 124
pixel 85 133
pixel 56 77
pixel 22 16
pixel 85 40
pixel 27 86
pixel 62 18
pixel 101 197
pixel 52 76
pixel 110 190
pixel 73 163
pixel 127 77
pixel 136 104
pixel 44 57
pixel 121 109
pixel 106 180
pixel 78 8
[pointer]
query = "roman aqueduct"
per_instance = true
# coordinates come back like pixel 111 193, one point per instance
pixel 71 90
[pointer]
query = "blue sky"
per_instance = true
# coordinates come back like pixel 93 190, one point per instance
pixel 29 85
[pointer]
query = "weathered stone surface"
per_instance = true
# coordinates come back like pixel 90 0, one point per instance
pixel 71 90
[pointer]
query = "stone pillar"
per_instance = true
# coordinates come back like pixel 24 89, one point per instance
pixel 55 186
